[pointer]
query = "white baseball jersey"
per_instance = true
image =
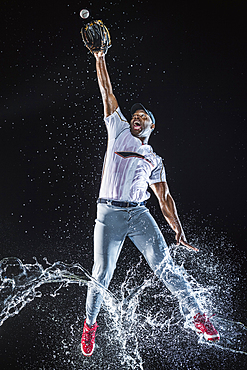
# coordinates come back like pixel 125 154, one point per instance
pixel 129 166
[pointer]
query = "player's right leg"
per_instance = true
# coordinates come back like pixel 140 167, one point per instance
pixel 109 234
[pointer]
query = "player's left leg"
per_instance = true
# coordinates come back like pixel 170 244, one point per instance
pixel 146 235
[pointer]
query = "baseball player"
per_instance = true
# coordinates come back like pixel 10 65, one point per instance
pixel 130 166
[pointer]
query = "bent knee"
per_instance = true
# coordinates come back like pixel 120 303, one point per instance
pixel 103 273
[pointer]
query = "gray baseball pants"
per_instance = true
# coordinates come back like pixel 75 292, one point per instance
pixel 112 226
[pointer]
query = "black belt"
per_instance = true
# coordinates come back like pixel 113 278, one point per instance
pixel 119 203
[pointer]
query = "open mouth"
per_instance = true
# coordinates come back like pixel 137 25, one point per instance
pixel 136 125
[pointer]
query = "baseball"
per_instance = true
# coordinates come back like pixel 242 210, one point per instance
pixel 84 13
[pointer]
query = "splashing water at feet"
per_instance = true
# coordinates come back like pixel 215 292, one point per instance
pixel 144 316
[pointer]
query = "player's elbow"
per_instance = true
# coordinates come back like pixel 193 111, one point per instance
pixel 110 104
pixel 166 204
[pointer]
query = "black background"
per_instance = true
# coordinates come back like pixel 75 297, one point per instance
pixel 184 60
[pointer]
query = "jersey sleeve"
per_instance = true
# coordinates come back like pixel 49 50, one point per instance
pixel 158 174
pixel 116 123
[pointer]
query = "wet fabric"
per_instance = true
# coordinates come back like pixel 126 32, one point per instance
pixel 113 225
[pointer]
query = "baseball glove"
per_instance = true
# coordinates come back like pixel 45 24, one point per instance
pixel 96 36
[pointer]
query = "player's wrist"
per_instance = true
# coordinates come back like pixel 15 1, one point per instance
pixel 99 55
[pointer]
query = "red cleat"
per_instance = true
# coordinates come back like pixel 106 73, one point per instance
pixel 88 339
pixel 205 327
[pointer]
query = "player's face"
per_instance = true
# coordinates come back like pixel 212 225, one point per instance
pixel 141 125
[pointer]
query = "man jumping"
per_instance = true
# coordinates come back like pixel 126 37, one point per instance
pixel 130 166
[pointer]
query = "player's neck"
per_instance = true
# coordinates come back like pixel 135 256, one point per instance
pixel 144 140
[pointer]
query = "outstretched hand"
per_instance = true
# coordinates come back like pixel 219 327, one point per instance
pixel 96 36
pixel 180 238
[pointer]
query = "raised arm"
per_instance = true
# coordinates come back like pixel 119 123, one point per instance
pixel 109 99
pixel 168 208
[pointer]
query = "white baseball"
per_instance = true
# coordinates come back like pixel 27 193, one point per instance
pixel 84 13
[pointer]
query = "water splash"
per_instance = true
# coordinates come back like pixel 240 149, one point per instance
pixel 233 336
pixel 19 282
pixel 143 313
